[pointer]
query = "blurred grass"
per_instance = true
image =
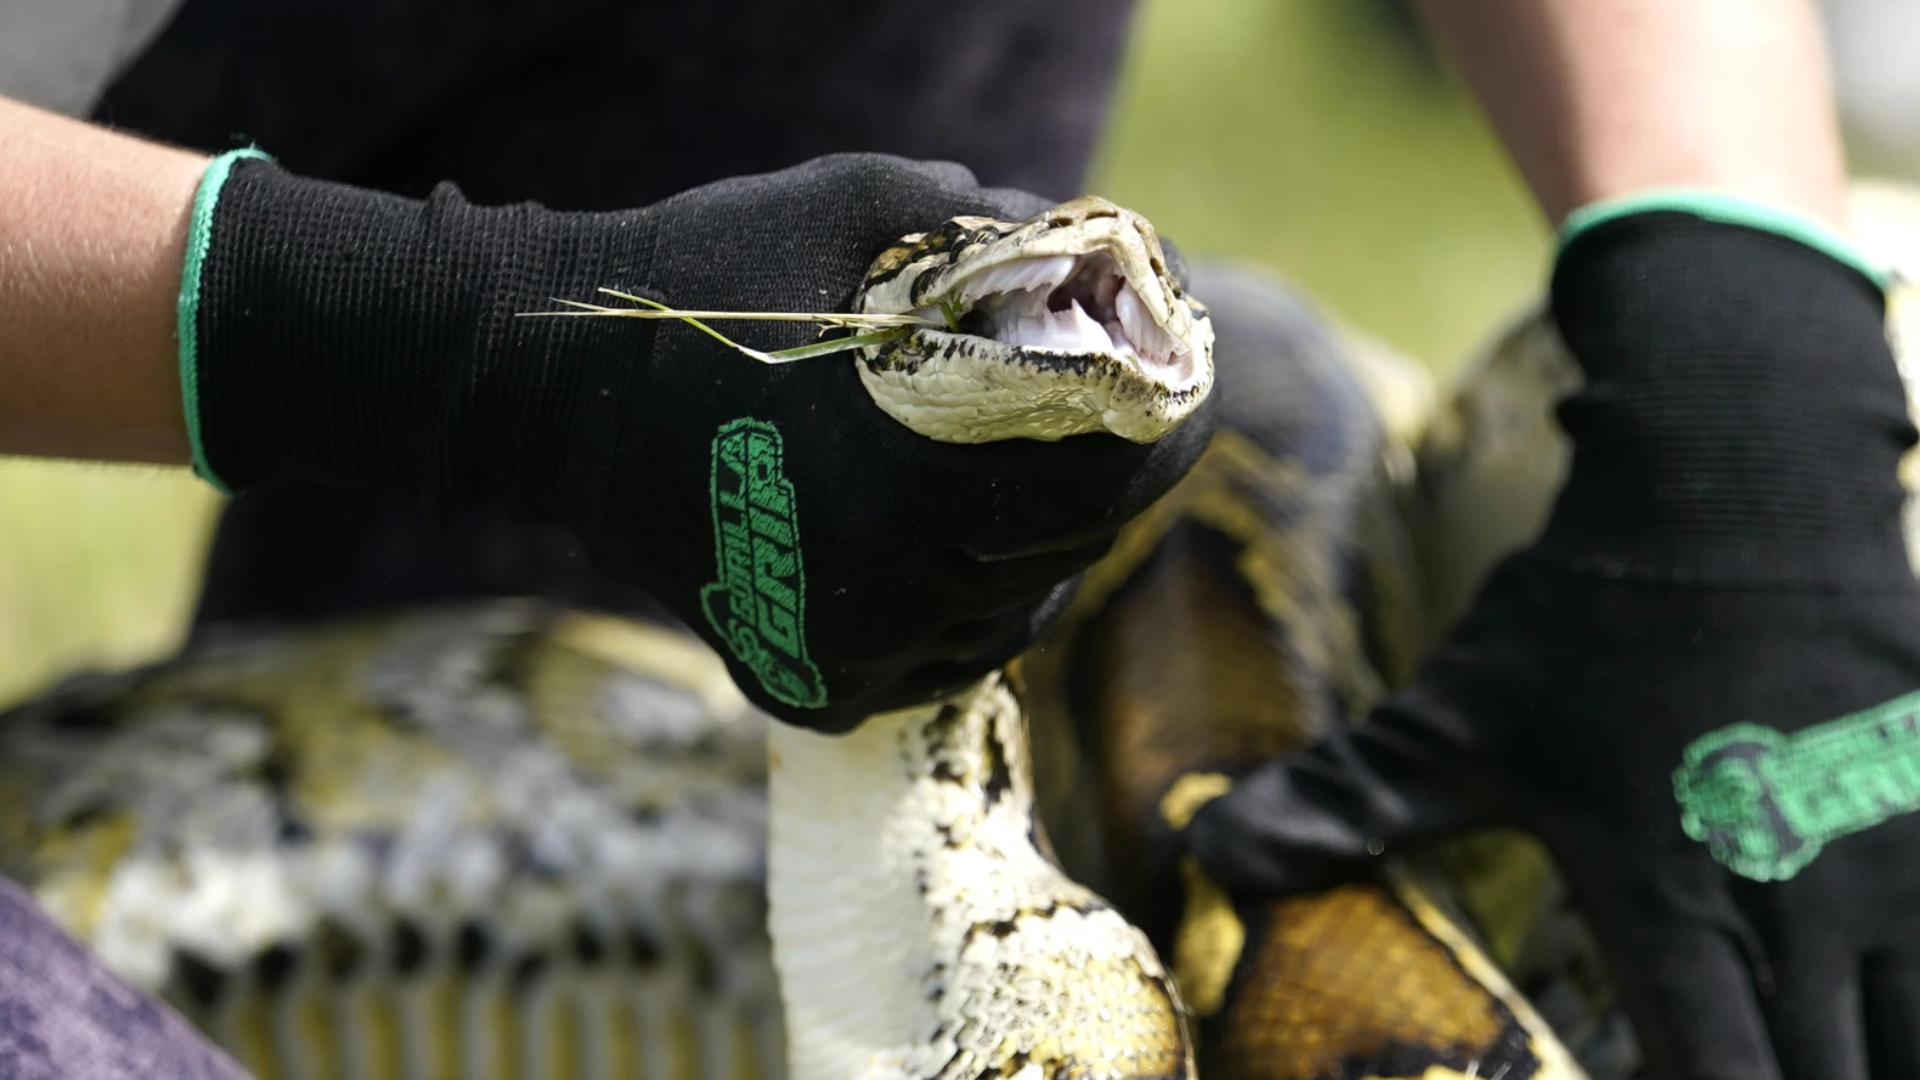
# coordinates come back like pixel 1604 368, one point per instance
pixel 99 566
pixel 1314 137
pixel 1309 135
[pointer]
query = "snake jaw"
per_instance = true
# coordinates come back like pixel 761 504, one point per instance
pixel 1074 304
pixel 1064 324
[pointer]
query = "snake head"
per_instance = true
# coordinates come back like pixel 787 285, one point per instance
pixel 1067 323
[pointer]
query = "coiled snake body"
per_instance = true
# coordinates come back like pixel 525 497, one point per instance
pixel 509 840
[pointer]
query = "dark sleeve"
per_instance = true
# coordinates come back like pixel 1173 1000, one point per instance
pixel 606 104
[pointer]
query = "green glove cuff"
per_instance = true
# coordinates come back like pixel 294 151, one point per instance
pixel 199 237
pixel 1728 209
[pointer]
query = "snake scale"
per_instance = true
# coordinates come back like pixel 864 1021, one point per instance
pixel 507 839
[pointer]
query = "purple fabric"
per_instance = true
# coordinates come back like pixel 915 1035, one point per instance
pixel 64 1016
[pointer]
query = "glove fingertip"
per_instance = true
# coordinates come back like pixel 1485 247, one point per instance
pixel 1313 819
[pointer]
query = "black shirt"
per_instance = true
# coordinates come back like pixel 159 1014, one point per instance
pixel 582 104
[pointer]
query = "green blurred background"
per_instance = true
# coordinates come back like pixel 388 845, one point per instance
pixel 1314 136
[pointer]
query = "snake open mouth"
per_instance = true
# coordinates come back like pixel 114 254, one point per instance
pixel 1066 323
pixel 1071 304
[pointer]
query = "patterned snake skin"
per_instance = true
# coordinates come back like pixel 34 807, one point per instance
pixel 508 840
pixel 511 840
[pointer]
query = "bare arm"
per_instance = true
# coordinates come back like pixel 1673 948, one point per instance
pixel 92 235
pixel 1597 98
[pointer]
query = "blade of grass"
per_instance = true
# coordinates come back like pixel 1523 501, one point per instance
pixel 825 348
pixel 832 318
pixel 890 327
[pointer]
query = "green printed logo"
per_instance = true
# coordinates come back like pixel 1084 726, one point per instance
pixel 759 604
pixel 1766 803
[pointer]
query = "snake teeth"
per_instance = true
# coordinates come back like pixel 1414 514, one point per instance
pixel 1070 304
pixel 1018 276
pixel 1065 324
pixel 1072 330
pixel 1148 339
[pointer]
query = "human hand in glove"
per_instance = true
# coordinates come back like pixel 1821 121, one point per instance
pixel 1701 686
pixel 341 335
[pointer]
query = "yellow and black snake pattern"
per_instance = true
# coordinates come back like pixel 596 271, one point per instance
pixel 509 840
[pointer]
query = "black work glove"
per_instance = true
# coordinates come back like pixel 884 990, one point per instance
pixel 1697 687
pixel 840 562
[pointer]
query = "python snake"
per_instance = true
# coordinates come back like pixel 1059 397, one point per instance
pixel 509 840
pixel 919 930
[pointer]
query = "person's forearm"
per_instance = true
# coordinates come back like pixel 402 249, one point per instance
pixel 1600 98
pixel 93 232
